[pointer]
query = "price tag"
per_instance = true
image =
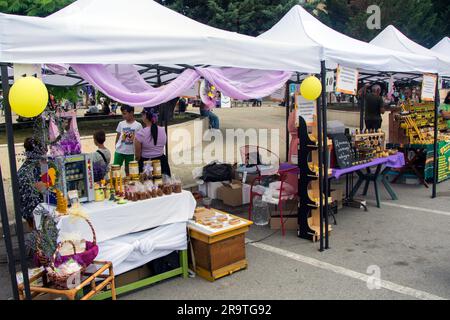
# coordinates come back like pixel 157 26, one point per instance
pixel 305 108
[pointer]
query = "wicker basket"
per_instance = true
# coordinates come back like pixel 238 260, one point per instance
pixel 84 258
pixel 59 280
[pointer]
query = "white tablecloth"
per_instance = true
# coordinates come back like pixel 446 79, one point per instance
pixel 111 220
pixel 134 250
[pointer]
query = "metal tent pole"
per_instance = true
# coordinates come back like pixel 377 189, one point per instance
pixel 320 141
pixel 165 113
pixel 323 76
pixel 8 241
pixel 437 101
pixel 14 180
pixel 361 112
pixel 287 103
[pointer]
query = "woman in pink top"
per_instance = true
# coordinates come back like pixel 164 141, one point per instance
pixel 151 141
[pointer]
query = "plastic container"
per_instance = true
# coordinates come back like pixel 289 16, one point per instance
pixel 260 212
pixel 207 202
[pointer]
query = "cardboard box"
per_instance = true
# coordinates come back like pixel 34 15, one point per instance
pixel 290 224
pixel 234 194
pixel 210 189
pixel 338 195
pixel 133 276
pixel 250 177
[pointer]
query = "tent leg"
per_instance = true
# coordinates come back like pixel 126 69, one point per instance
pixel 321 163
pixel 8 241
pixel 323 76
pixel 14 180
pixel 437 101
pixel 287 104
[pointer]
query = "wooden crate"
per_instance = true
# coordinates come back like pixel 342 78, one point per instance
pixel 219 254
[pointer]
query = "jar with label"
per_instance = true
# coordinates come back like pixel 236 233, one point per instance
pixel 134 169
pixel 156 167
pixel 115 171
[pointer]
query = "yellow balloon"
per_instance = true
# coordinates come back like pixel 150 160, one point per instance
pixel 28 97
pixel 311 88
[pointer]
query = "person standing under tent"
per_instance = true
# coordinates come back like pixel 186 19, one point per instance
pixel 150 142
pixel 102 157
pixel 374 107
pixel 444 109
pixel 126 131
pixel 31 188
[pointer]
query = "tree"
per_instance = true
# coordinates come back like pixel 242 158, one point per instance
pixel 40 8
pixel 251 17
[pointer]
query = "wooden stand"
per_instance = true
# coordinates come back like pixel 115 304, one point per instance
pixel 219 254
pixel 309 207
pixel 76 292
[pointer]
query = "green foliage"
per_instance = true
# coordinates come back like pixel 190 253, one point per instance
pixel 424 21
pixel 40 8
pixel 69 93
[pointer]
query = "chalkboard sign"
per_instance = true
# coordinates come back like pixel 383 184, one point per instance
pixel 343 151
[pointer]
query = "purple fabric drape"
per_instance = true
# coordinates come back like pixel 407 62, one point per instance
pixel 244 84
pixel 124 84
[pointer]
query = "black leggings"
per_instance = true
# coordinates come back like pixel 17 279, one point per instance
pixel 165 168
pixel 373 124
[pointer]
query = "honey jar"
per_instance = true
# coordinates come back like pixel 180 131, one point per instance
pixel 133 168
pixel 115 171
pixel 156 167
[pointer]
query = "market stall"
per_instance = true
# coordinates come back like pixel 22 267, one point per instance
pixel 203 52
pixel 111 68
pixel 350 58
pixel 419 129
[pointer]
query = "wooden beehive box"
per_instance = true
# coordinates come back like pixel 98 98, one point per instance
pixel 221 253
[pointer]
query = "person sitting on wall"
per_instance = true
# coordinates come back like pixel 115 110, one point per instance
pixel 31 188
pixel 213 118
pixel 93 109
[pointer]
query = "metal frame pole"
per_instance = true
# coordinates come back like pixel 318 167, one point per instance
pixel 437 100
pixel 8 240
pixel 323 76
pixel 361 112
pixel 320 141
pixel 287 104
pixel 14 180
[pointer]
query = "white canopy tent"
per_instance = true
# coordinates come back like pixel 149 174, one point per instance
pixel 443 47
pixel 299 26
pixel 141 32
pixel 392 38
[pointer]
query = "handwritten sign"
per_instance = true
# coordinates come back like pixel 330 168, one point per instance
pixel 347 80
pixel 429 87
pixel 305 108
pixel 343 151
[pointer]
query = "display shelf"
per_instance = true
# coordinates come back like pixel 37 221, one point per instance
pixel 309 189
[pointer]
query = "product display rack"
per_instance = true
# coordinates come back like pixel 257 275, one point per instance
pixel 309 217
